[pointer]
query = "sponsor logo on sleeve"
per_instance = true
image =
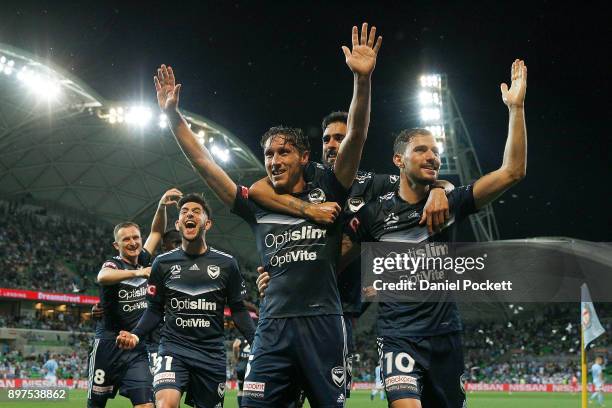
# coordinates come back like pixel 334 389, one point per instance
pixel 401 382
pixel 253 389
pixel 167 377
pixel 109 264
pixel 244 192
pixel 151 290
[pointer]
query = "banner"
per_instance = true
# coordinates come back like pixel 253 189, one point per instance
pixel 48 296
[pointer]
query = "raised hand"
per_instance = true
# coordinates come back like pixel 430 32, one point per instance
pixel 515 96
pixel 171 197
pixel 262 281
pixel 362 58
pixel 167 89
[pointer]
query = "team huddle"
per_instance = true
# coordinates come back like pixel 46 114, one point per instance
pixel 161 332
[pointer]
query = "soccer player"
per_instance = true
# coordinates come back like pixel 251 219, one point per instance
pixel 300 333
pixel 598 381
pixel 419 343
pixel 51 367
pixel 378 385
pixel 123 280
pixel 365 187
pixel 241 349
pixel 189 288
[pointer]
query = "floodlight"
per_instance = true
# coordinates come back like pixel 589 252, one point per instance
pixel 222 154
pixel 163 121
pixel 138 115
pixel 430 114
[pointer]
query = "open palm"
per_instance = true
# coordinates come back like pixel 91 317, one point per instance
pixel 167 90
pixel 515 96
pixel 362 58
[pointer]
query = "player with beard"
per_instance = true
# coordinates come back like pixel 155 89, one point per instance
pixel 300 333
pixel 189 288
pixel 365 187
pixel 419 342
pixel 122 282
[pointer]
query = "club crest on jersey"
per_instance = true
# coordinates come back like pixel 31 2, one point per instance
pixel 355 203
pixel 221 389
pixel 213 271
pixel 316 196
pixel 175 269
pixel 393 178
pixel 390 220
pixel 361 178
pixel 337 374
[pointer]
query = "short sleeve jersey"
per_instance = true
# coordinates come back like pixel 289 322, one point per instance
pixel 365 187
pixel 596 371
pixel 391 219
pixel 299 255
pixel 193 291
pixel 123 303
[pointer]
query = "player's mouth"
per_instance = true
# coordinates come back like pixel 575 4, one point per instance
pixel 278 173
pixel 429 169
pixel 332 154
pixel 190 227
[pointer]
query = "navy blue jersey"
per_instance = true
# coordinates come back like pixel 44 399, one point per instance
pixel 391 219
pixel 124 302
pixel 366 187
pixel 299 255
pixel 193 291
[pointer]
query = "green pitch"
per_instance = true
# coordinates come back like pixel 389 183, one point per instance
pixel 359 399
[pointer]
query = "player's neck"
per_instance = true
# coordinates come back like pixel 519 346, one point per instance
pixel 298 187
pixel 133 260
pixel 197 247
pixel 410 191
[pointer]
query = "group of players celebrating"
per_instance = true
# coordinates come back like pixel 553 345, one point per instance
pixel 307 219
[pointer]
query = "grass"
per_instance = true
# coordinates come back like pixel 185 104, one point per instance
pixel 359 399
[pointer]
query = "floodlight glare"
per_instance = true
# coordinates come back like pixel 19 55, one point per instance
pixel 430 114
pixel 201 134
pixel 430 81
pixel 440 148
pixel 2 59
pixel 163 121
pixel 138 115
pixel 222 154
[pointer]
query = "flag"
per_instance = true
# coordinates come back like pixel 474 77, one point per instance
pixel 591 328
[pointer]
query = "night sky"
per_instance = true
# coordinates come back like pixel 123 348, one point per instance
pixel 249 66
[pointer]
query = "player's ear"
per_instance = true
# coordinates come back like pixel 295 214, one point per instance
pixel 176 225
pixel 305 157
pixel 398 160
pixel 116 245
pixel 207 224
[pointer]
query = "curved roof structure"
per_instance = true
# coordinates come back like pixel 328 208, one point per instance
pixel 62 143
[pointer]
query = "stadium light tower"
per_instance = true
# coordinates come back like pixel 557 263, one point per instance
pixel 441 116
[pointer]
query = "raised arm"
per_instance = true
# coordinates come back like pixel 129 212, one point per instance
pixel 514 165
pixel 158 225
pixel 263 193
pixel 198 155
pixel 361 60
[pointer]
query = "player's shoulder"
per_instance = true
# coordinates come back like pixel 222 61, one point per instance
pixel 224 256
pixel 172 255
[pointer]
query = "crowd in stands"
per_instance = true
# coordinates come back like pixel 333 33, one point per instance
pixel 47 251
pixel 13 364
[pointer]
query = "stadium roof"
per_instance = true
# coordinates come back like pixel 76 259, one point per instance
pixel 62 143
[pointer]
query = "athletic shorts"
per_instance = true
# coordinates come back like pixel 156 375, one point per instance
pixel 350 343
pixel 429 369
pixel 305 352
pixel 201 376
pixel 113 370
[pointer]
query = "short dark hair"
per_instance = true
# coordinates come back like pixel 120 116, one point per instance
pixel 124 224
pixel 171 235
pixel 338 116
pixel 196 198
pixel 405 136
pixel 295 136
